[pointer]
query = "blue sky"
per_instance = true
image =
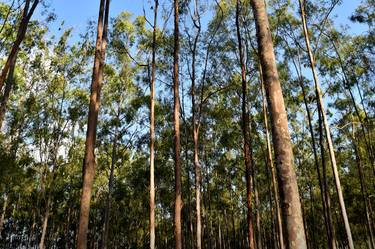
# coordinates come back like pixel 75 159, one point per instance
pixel 76 13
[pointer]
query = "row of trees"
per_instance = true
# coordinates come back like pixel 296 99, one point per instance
pixel 241 73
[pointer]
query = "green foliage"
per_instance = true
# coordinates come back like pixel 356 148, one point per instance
pixel 42 141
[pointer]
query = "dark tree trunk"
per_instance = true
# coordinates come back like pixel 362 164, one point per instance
pixel 246 134
pixel 28 11
pixel 8 88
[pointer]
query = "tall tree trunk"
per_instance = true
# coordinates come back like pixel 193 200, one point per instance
pixel 89 160
pixel 195 123
pixel 107 212
pixel 8 88
pixel 49 192
pixel 326 127
pixel 28 11
pixel 270 161
pixel 176 121
pixel 198 177
pixel 152 131
pixel 246 134
pixel 188 186
pixel 323 187
pixel 257 212
pixel 293 222
pixel 326 190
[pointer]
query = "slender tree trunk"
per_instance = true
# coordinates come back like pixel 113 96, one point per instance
pixel 107 212
pixel 208 191
pixel 32 228
pixel 176 121
pixel 327 196
pixel 28 11
pixel 67 229
pixel 293 221
pixel 323 187
pixel 246 134
pixel 195 123
pixel 8 88
pixel 152 131
pixel 45 220
pixel 270 160
pixel 226 237
pixel 234 234
pixel 189 216
pixel 2 217
pixel 220 239
pixel 89 160
pixel 326 127
pixel 198 179
pixel 49 195
pixel 6 18
pixel 257 214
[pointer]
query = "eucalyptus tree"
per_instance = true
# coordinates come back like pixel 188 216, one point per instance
pixel 8 68
pixel 152 129
pixel 326 128
pixel 247 150
pixel 176 123
pixel 89 160
pixel 291 206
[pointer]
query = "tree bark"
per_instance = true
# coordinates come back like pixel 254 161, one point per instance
pixel 152 131
pixel 176 123
pixel 26 16
pixel 257 212
pixel 45 220
pixel 8 88
pixel 326 191
pixel 196 126
pixel 89 160
pixel 9 66
pixel 293 222
pixel 246 134
pixel 270 161
pixel 326 128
